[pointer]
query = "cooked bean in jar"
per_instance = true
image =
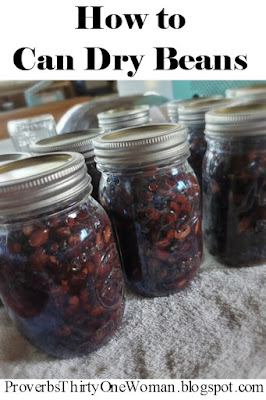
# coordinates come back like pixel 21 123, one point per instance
pixel 153 199
pixel 234 184
pixel 60 275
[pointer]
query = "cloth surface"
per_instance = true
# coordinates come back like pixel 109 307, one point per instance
pixel 215 328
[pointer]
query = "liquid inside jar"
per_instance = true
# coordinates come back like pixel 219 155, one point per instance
pixel 198 147
pixel 234 189
pixel 61 280
pixel 156 218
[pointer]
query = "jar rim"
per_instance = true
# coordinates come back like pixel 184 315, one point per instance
pixel 37 182
pixel 117 118
pixel 248 119
pixel 79 141
pixel 142 144
pixel 196 110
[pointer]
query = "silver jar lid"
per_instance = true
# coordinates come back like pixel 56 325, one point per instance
pixel 123 117
pixel 172 106
pixel 256 89
pixel 237 120
pixel 195 111
pixel 41 181
pixel 8 158
pixel 80 142
pixel 141 145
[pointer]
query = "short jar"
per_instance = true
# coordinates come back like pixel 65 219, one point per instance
pixel 60 275
pixel 123 117
pixel 80 142
pixel 26 131
pixel 152 197
pixel 234 184
pixel 192 115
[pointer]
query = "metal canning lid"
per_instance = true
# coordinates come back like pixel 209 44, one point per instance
pixel 123 117
pixel 80 142
pixel 172 106
pixel 195 111
pixel 255 89
pixel 141 145
pixel 237 120
pixel 7 158
pixel 41 181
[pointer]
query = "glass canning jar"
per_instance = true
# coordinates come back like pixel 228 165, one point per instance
pixel 153 199
pixel 60 275
pixel 234 184
pixel 192 115
pixel 124 117
pixel 80 142
pixel 24 132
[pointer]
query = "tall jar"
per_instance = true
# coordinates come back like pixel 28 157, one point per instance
pixel 123 117
pixel 172 106
pixel 234 184
pixel 192 115
pixel 80 142
pixel 60 275
pixel 153 199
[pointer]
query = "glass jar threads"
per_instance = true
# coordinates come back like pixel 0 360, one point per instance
pixel 123 117
pixel 80 142
pixel 234 184
pixel 153 199
pixel 192 115
pixel 60 276
pixel 26 131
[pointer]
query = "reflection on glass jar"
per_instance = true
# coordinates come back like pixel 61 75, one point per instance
pixel 153 199
pixel 234 185
pixel 60 275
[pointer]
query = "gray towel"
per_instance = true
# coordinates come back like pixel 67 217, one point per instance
pixel 215 328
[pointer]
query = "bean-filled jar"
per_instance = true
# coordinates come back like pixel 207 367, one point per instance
pixel 234 184
pixel 193 116
pixel 80 142
pixel 249 90
pixel 172 106
pixel 153 199
pixel 124 117
pixel 60 275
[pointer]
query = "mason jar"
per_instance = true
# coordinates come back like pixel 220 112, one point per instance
pixel 192 115
pixel 172 106
pixel 234 184
pixel 80 142
pixel 26 131
pixel 152 197
pixel 60 275
pixel 123 117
